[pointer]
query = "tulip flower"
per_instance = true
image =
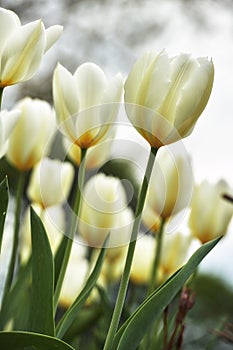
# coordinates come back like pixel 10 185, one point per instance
pixel 104 211
pixel 53 219
pixel 143 260
pixel 175 253
pixel 75 277
pixel 50 182
pixel 170 187
pixel 22 47
pixel 8 121
pixel 86 103
pixel 210 214
pixel 32 136
pixel 165 96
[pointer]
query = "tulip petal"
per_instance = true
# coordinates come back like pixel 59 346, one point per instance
pixel 136 76
pixel 52 33
pixel 9 22
pixel 194 95
pixel 91 83
pixel 65 100
pixel 155 83
pixel 23 53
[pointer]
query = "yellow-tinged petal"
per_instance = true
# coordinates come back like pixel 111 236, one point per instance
pixel 23 53
pixel 32 135
pixel 91 82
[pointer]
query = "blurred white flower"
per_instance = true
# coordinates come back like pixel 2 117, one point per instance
pixel 165 96
pixel 75 276
pixel 143 260
pixel 170 187
pixel 53 219
pixel 104 211
pixel 86 103
pixel 175 253
pixel 210 214
pixel 33 134
pixel 8 121
pixel 22 47
pixel 50 182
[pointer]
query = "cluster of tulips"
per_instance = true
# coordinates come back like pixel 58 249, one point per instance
pixel 79 244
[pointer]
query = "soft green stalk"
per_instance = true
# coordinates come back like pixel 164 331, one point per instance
pixel 152 337
pixel 13 258
pixel 157 257
pixel 71 228
pixel 126 274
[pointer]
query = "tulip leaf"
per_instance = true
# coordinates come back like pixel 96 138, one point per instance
pixel 71 313
pixel 132 331
pixel 59 256
pixel 16 306
pixel 41 315
pixel 4 195
pixel 21 340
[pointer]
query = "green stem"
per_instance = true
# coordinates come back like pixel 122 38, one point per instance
pixel 1 94
pixel 12 264
pixel 125 277
pixel 71 229
pixel 157 258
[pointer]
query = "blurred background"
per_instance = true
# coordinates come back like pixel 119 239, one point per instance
pixel 114 34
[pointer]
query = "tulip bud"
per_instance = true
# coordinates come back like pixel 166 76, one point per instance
pixel 210 214
pixel 104 211
pixel 175 253
pixel 75 276
pixel 8 121
pixel 86 103
pixel 32 135
pixel 143 260
pixel 170 186
pixel 50 182
pixel 53 219
pixel 165 96
pixel 22 47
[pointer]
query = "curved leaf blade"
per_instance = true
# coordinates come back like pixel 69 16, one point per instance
pixel 41 315
pixel 71 313
pixel 4 195
pixel 132 331
pixel 20 340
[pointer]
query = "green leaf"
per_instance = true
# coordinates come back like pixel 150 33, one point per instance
pixel 71 313
pixel 59 256
pixel 41 315
pixel 20 340
pixel 4 195
pixel 140 322
pixel 16 306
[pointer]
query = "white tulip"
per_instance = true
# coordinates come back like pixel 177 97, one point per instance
pixel 175 253
pixel 210 214
pixel 165 96
pixel 104 211
pixel 50 182
pixel 86 103
pixel 143 260
pixel 8 121
pixel 53 219
pixel 170 186
pixel 33 134
pixel 22 47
